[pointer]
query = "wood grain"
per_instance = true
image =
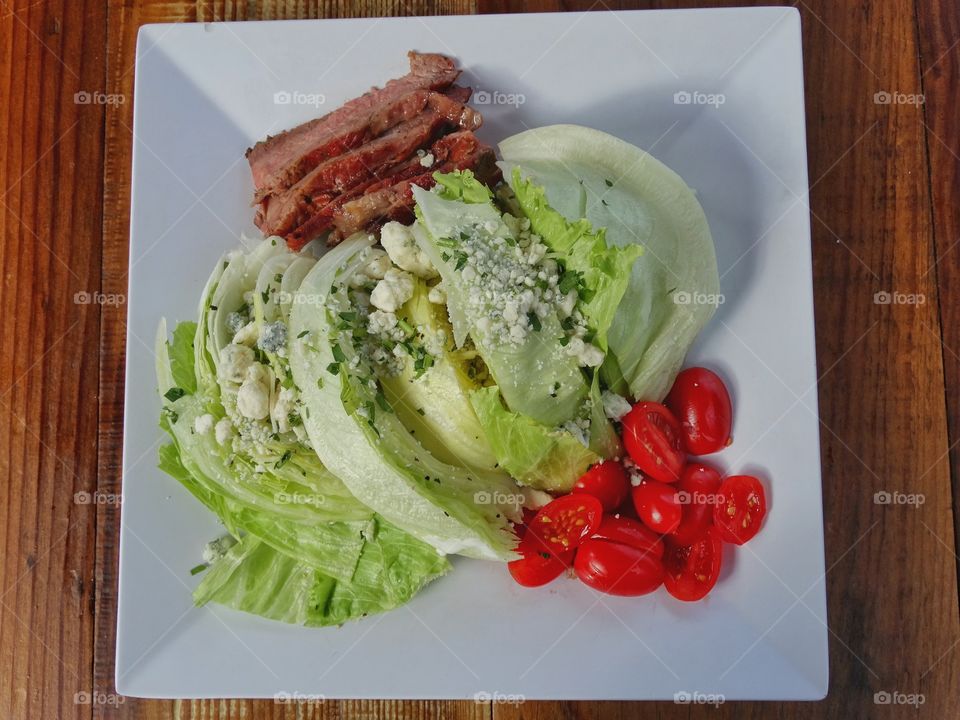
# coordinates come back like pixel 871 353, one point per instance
pixel 939 33
pixel 885 188
pixel 50 224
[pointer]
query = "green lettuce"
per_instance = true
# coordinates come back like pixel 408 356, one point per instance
pixel 535 376
pixel 253 577
pixel 599 273
pixel 538 456
pixel 590 175
pixel 359 437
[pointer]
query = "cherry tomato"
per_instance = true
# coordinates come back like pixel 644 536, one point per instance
pixel 700 401
pixel 537 564
pixel 692 570
pixel 697 494
pixel 564 522
pixel 657 506
pixel 740 510
pixel 617 569
pixel 607 481
pixel 653 438
pixel 628 531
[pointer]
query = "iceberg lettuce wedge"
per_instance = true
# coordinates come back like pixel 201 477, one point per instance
pixel 588 174
pixel 361 440
pixel 535 375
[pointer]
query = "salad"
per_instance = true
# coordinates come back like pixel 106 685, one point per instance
pixel 482 376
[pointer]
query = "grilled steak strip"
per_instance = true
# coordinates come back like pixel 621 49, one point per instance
pixel 406 107
pixel 269 157
pixel 395 202
pixel 289 210
pixel 457 146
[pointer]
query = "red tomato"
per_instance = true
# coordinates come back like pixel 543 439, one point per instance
pixel 537 565
pixel 657 506
pixel 607 481
pixel 617 569
pixel 564 522
pixel 740 510
pixel 628 531
pixel 692 570
pixel 697 494
pixel 653 438
pixel 700 401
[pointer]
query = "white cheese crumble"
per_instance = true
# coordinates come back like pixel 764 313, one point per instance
pixel 580 429
pixel 374 269
pixel 246 335
pixel 587 355
pixel 427 160
pixel 203 424
pixel 253 398
pixel 509 287
pixel 223 430
pixel 402 248
pixel 285 404
pixel 235 360
pixel 614 406
pixel 437 294
pixel 392 291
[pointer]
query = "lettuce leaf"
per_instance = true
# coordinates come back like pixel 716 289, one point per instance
pixel 588 174
pixel 366 444
pixel 253 577
pixel 600 273
pixel 535 376
pixel 462 185
pixel 538 456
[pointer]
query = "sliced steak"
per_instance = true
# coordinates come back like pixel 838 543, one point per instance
pixel 456 146
pixel 448 105
pixel 395 201
pixel 287 211
pixel 269 157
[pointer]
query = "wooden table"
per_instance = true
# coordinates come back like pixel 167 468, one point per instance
pixel 885 212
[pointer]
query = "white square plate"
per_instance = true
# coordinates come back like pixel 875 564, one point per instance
pixel 718 96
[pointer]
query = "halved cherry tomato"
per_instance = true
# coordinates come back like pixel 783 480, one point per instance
pixel 630 532
pixel 657 506
pixel 697 494
pixel 538 565
pixel 564 522
pixel 700 401
pixel 692 570
pixel 740 511
pixel 653 438
pixel 607 481
pixel 617 569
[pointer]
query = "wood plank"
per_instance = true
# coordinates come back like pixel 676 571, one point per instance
pixel 124 18
pixel 883 422
pixel 939 33
pixel 50 221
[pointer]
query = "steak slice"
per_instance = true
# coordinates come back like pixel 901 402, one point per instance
pixel 285 212
pixel 395 201
pixel 456 146
pixel 268 157
pixel 450 106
